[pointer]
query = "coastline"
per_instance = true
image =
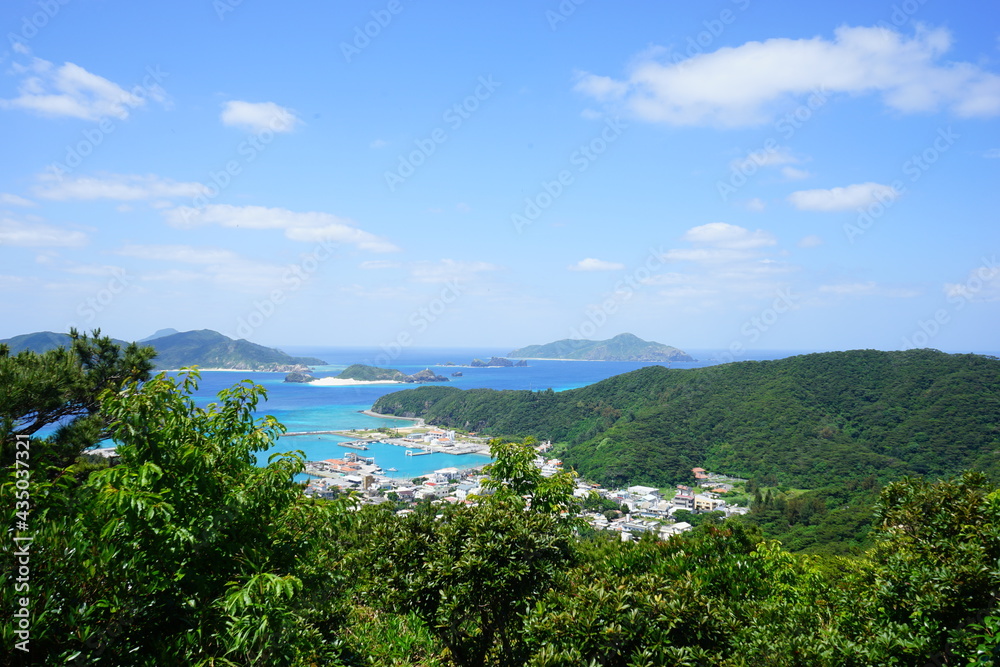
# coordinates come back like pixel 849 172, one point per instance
pixel 214 370
pixel 347 382
pixel 419 420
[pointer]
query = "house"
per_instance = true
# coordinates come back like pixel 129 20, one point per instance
pixel 684 500
pixel 707 504
pixel 644 491
pixel 110 453
pixel 674 529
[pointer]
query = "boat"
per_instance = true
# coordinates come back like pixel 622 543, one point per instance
pixel 392 470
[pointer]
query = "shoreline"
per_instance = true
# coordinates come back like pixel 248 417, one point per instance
pixel 419 420
pixel 346 382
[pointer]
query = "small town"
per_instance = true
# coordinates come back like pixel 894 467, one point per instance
pixel 641 509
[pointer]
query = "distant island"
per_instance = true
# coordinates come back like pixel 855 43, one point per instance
pixel 494 362
pixel 498 362
pixel 205 348
pixel 361 374
pixel 623 347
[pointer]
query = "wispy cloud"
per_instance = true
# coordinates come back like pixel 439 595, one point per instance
pixel 448 269
pixel 119 187
pixel 70 90
pixel 845 198
pixel 38 234
pixel 307 227
pixel 745 85
pixel 259 116
pixel 591 264
pixel 15 200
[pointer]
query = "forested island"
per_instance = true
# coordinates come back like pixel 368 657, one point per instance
pixel 623 347
pixel 204 348
pixel 839 424
pixel 188 551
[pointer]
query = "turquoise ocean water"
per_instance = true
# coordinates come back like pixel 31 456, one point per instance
pixel 302 407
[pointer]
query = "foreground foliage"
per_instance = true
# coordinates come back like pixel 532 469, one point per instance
pixel 190 553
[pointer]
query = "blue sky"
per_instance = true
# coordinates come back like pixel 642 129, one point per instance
pixel 731 174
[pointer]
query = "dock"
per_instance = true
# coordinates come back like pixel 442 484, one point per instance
pixel 353 445
pixel 410 452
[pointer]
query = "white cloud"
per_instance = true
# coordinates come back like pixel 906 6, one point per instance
pixel 15 200
pixel 849 288
pixel 70 90
pixel 763 158
pixel 591 264
pixel 448 269
pixel 379 264
pixel 119 187
pixel 27 234
pixel 811 241
pixel 378 143
pixel 223 268
pixel 869 288
pixel 182 254
pixel 843 198
pixel 982 284
pixel 746 85
pixel 309 227
pixel 755 204
pixel 724 235
pixel 726 266
pixel 259 116
pixel 993 153
pixel 794 174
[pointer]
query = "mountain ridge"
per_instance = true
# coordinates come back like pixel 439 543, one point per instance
pixel 809 420
pixel 204 347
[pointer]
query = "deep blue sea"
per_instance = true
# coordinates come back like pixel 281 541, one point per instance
pixel 303 407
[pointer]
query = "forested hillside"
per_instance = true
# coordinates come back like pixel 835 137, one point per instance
pixel 808 421
pixel 187 552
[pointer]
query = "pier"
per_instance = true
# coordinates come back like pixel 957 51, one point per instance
pixel 353 445
pixel 410 452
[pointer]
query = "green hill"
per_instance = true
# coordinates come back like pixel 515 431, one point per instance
pixel 623 347
pixel 365 373
pixel 806 421
pixel 41 341
pixel 210 349
pixel 205 348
